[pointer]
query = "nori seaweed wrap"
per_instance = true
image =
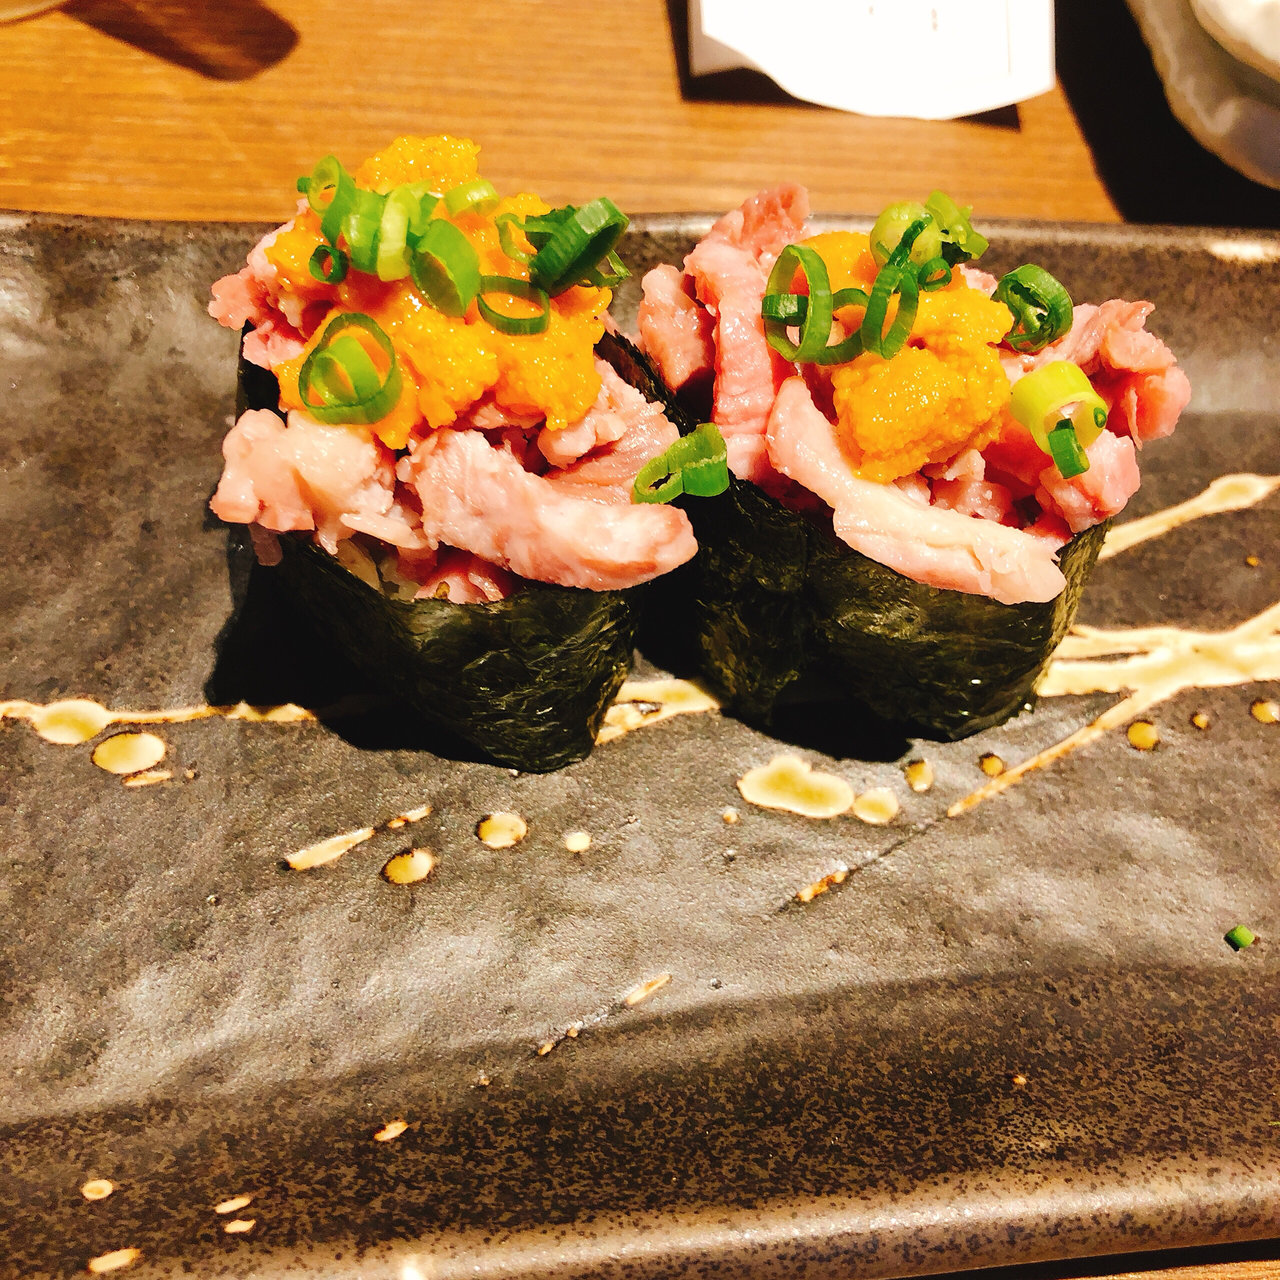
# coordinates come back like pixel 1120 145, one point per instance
pixel 782 610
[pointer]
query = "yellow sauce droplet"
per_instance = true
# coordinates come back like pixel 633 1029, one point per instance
pixel 129 752
pixel 230 1206
pixel 1018 1080
pixel 545 1048
pixel 502 830
pixel 113 1261
pixel 991 765
pixel 645 702
pixel 70 722
pixel 1265 710
pixel 811 891
pixel 238 1226
pixel 484 1082
pixel 646 989
pixel 731 815
pixel 148 778
pixel 1252 561
pixel 316 855
pixel 408 816
pixel 577 841
pixel 97 1189
pixel 789 783
pixel 409 867
pixel 1201 720
pixel 1143 735
pixel 877 806
pixel 919 775
pixel 389 1132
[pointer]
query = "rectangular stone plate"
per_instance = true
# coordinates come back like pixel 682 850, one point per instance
pixel 1010 1035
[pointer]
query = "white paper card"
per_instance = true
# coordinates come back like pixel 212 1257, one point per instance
pixel 930 59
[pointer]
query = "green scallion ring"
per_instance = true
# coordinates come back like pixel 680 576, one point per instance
pixel 935 274
pixel 785 308
pixel 1043 398
pixel 1064 448
pixel 1041 307
pixel 477 196
pixel 445 268
pixel 613 272
pixel 577 245
pixel 696 464
pixel 508 224
pixel 847 348
pixel 392 260
pixel 815 327
pixel 336 270
pixel 892 224
pixel 362 229
pixel 516 325
pixel 960 242
pixel 334 385
pixel 330 191
pixel 897 276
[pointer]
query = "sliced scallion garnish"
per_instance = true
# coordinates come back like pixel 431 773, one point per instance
pixel 935 274
pixel 362 229
pixel 329 190
pixel 1064 448
pixel 696 464
pixel 328 264
pixel 445 267
pixel 392 259
pixel 508 224
pixel 476 196
pixel 1041 307
pixel 892 224
pixel 1043 398
pixel 576 244
pixel 1239 937
pixel 960 242
pixel 815 323
pixel 517 288
pixel 339 381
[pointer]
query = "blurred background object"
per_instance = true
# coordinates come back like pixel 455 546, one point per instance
pixel 1216 59
pixel 185 110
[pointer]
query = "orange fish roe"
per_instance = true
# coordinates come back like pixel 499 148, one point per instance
pixel 448 363
pixel 945 391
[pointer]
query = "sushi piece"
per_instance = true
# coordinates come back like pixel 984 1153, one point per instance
pixel 924 458
pixel 437 443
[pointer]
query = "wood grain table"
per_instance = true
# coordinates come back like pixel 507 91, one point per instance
pixel 185 109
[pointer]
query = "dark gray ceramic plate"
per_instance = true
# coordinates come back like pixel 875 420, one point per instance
pixel 1012 1035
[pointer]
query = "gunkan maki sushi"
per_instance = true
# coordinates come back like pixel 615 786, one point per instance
pixel 438 442
pixel 924 457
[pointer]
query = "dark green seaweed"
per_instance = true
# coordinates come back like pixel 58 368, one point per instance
pixel 526 679
pixel 781 608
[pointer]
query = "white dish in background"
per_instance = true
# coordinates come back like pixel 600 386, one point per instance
pixel 1249 30
pixel 1231 107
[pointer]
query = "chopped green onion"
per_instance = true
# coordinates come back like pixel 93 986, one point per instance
pixel 398 212
pixel 303 184
pixel 577 243
pixel 960 242
pixel 336 270
pixel 1068 456
pixel 894 221
pixel 895 277
pixel 445 267
pixel 935 274
pixel 337 385
pixel 696 464
pixel 1240 937
pixel 421 219
pixel 847 348
pixel 330 191
pixel 786 308
pixel 517 289
pixel 1043 398
pixel 476 196
pixel 1041 307
pixel 815 327
pixel 508 224
pixel 613 273
pixel 362 228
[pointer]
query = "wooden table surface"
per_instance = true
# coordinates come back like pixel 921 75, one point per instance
pixel 184 109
